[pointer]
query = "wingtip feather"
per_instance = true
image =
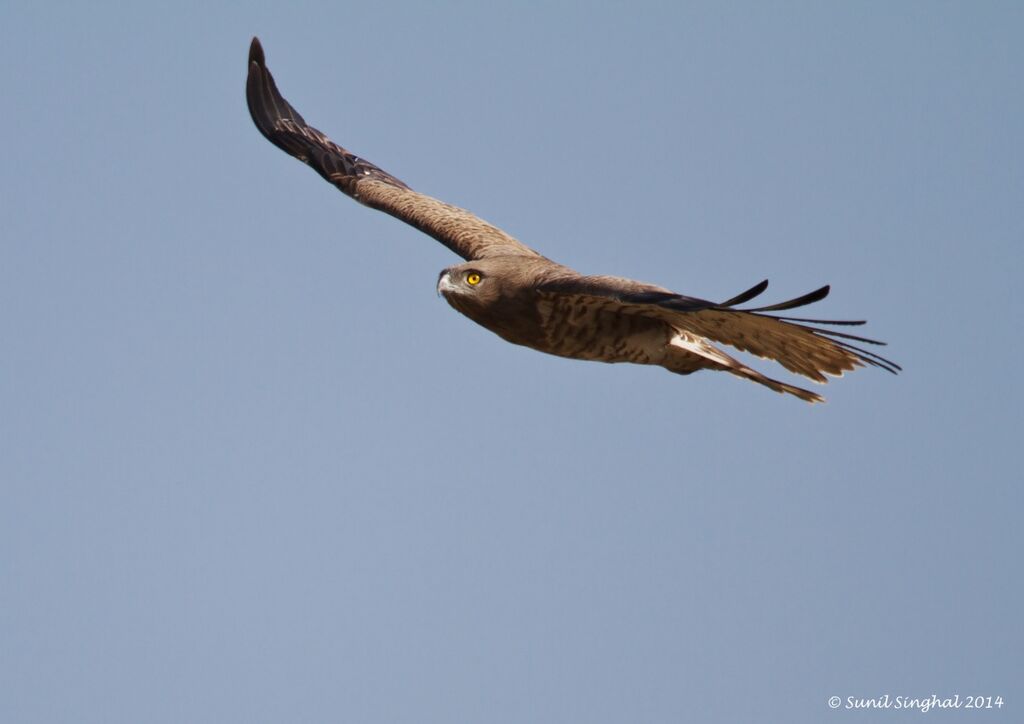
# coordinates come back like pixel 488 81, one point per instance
pixel 256 52
pixel 746 296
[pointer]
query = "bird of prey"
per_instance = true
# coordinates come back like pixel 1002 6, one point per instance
pixel 527 299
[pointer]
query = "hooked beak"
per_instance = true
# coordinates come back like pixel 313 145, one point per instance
pixel 444 283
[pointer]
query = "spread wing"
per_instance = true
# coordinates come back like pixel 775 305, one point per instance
pixel 803 346
pixel 467 235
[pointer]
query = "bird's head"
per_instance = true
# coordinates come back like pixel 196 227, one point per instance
pixel 477 286
pixel 466 286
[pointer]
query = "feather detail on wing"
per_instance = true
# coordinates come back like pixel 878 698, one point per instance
pixel 805 350
pixel 461 231
pixel 793 342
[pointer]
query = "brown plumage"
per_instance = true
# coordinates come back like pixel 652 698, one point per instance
pixel 530 300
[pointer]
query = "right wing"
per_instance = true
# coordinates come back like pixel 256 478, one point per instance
pixel 464 233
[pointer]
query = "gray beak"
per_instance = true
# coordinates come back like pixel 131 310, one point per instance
pixel 444 283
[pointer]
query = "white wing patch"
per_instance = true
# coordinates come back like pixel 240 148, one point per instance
pixel 700 346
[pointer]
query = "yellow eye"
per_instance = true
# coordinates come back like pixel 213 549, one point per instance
pixel 472 279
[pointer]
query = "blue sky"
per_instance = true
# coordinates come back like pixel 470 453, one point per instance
pixel 253 469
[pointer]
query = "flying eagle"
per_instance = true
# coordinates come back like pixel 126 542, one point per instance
pixel 525 298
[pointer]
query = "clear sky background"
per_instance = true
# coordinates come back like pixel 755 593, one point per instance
pixel 254 469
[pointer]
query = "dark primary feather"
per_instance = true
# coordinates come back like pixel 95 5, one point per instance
pixel 810 298
pixel 746 296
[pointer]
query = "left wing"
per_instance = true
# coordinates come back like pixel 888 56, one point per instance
pixel 793 342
